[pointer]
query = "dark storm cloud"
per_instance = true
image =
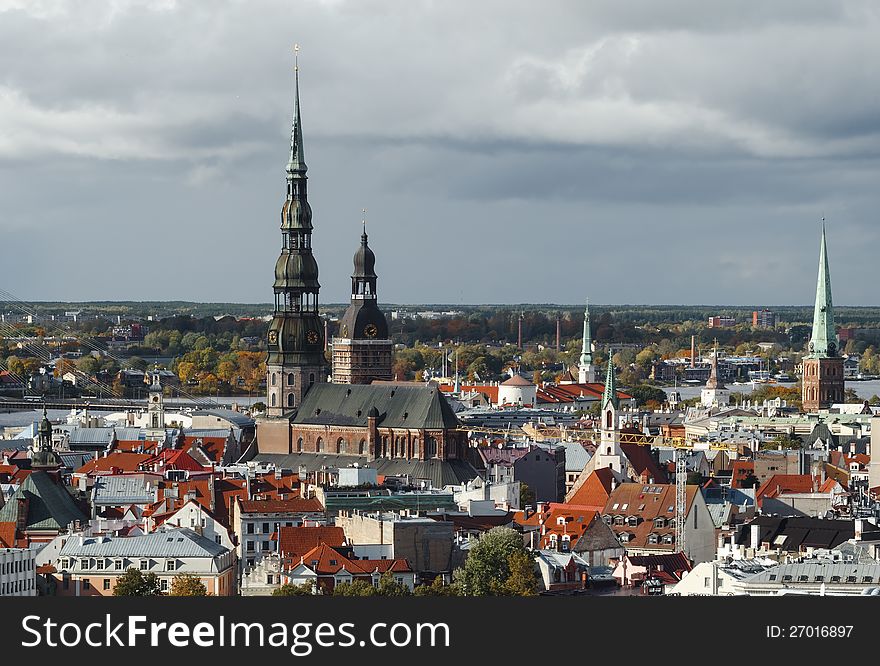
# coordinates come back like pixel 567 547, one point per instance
pixel 681 151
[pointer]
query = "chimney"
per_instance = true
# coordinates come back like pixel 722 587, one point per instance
pixel 755 536
pixel 693 351
pixel 558 335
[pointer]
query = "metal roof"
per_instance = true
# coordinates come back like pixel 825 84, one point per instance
pixel 819 571
pixel 181 542
pixel 418 407
pixel 122 490
pixel 50 506
pixel 439 473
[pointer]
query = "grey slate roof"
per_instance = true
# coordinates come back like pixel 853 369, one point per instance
pixel 94 436
pixel 440 473
pixel 239 419
pixel 825 570
pixel 422 407
pixel 50 506
pixel 181 542
pixel 118 490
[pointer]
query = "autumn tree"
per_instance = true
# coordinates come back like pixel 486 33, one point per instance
pixel 291 590
pixel 135 583
pixel 188 585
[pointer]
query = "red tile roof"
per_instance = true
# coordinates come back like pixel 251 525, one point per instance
pixel 291 505
pixel 294 542
pixel 114 462
pixel 780 484
pixel 324 560
pixel 645 502
pixel 7 534
pixel 595 491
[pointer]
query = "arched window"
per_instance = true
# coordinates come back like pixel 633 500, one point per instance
pixel 273 399
pixel 299 445
pixel 400 449
pixel 415 447
pixel 274 379
pixel 431 447
pixel 291 379
pixel 311 378
pixel 341 446
pixel 362 447
pixel 385 446
pixel 291 400
pixel 319 446
pixel 608 417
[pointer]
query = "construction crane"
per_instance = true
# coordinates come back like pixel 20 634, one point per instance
pixel 680 446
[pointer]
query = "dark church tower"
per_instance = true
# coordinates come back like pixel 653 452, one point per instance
pixel 362 352
pixel 822 381
pixel 296 334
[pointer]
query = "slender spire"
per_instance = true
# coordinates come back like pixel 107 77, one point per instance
pixel 296 164
pixel 587 343
pixel 610 385
pixel 714 382
pixel 823 342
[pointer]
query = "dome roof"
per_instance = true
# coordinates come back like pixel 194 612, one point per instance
pixel 517 380
pixel 363 321
pixel 296 214
pixel 296 270
pixel 45 427
pixel 296 340
pixel 364 260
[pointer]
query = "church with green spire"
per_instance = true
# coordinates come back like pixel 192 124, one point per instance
pixel 822 377
pixel 295 339
pixel 586 369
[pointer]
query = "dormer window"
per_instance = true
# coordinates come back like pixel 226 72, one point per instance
pixel 618 520
pixel 632 521
pixel 659 522
pixel 652 538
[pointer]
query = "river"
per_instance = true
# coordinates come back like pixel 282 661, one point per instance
pixel 865 389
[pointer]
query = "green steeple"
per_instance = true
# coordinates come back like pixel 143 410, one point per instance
pixel 296 165
pixel 587 345
pixel 823 342
pixel 610 386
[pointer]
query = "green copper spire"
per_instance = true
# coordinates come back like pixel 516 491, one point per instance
pixel 297 163
pixel 587 345
pixel 823 343
pixel 610 386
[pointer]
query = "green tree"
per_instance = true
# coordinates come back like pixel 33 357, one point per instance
pixel 526 495
pixel 135 583
pixel 437 589
pixel 521 580
pixel 389 587
pixel 356 588
pixel 291 590
pixel 487 567
pixel 188 585
pixel 645 393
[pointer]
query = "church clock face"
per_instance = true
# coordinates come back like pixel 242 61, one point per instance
pixel 273 337
pixel 371 331
pixel 312 337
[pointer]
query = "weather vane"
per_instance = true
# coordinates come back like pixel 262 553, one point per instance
pixel 296 57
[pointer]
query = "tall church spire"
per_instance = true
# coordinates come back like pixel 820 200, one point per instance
pixel 610 385
pixel 296 165
pixel 587 342
pixel 586 369
pixel 823 342
pixel 296 335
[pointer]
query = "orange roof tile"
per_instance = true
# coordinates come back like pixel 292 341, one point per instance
pixel 114 463
pixel 595 490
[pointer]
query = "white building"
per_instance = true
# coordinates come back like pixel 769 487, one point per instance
pixel 194 516
pixel 18 572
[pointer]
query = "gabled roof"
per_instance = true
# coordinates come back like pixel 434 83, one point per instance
pixel 422 407
pixel 781 484
pixel 49 505
pixel 114 462
pixel 596 490
pixel 291 505
pixel 794 533
pixel 324 560
pixel 178 542
pixel 295 542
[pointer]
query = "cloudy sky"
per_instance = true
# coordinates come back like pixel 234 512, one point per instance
pixel 682 151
